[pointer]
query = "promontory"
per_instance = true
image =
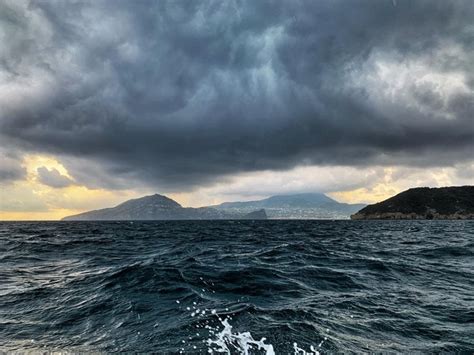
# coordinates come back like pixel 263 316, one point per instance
pixel 455 202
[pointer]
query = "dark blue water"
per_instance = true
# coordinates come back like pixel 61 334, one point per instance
pixel 329 286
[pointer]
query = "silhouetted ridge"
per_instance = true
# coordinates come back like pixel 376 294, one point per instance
pixel 158 207
pixel 152 200
pixel 424 203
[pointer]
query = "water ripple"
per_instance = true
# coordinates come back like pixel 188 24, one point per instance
pixel 282 286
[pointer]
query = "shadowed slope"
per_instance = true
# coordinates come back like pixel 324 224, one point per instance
pixel 424 203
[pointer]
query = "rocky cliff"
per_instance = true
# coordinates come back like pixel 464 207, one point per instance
pixel 424 203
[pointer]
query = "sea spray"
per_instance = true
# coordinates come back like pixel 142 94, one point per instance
pixel 226 340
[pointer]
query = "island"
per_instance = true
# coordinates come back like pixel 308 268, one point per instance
pixel 295 206
pixel 159 207
pixel 456 202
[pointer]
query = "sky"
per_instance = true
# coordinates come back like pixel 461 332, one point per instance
pixel 212 101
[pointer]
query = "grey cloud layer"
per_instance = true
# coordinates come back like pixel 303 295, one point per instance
pixel 10 167
pixel 178 93
pixel 53 178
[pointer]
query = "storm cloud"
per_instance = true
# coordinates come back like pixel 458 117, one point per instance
pixel 53 178
pixel 177 94
pixel 10 167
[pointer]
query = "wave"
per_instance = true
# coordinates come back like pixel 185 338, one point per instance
pixel 275 286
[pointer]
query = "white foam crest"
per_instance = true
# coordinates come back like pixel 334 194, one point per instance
pixel 225 341
pixel 299 351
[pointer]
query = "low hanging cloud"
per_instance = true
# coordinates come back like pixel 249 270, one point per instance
pixel 11 168
pixel 53 178
pixel 177 94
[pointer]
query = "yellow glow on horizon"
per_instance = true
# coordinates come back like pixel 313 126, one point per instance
pixel 34 161
pixel 363 195
pixel 29 199
pixel 181 198
pixel 52 215
pixel 381 191
pixel 30 192
pixel 394 181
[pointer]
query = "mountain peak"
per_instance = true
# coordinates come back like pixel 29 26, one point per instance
pixel 302 205
pixel 156 200
pixel 159 207
pixel 301 199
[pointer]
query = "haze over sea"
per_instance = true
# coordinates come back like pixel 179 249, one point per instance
pixel 205 286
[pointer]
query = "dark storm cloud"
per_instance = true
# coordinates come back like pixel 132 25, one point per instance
pixel 10 167
pixel 11 171
pixel 53 178
pixel 177 93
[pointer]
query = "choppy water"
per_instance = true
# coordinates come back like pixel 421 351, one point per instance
pixel 350 286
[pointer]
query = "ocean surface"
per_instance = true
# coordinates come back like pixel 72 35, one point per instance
pixel 283 287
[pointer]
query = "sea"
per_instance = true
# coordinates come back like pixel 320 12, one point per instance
pixel 237 287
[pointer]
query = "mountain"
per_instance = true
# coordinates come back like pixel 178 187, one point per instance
pixel 296 206
pixel 159 207
pixel 298 200
pixel 424 203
